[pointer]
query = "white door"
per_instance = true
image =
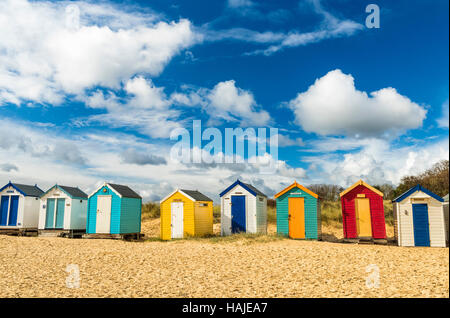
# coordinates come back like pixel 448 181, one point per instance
pixel 177 219
pixel 103 224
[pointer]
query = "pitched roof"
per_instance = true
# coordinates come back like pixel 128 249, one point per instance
pixel 358 183
pixel 124 191
pixel 296 185
pixel 415 189
pixel 74 192
pixel 193 195
pixel 196 195
pixel 26 190
pixel 246 186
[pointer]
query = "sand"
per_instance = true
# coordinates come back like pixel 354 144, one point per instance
pixel 245 267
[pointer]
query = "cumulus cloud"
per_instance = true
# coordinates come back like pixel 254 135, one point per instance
pixel 141 158
pixel 232 103
pixel 43 57
pixel 35 145
pixel 443 121
pixel 377 161
pixel 286 141
pixel 333 106
pixel 8 167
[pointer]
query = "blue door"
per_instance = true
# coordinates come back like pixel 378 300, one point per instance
pixel 4 208
pixel 13 210
pixel 50 214
pixel 60 205
pixel 238 213
pixel 421 226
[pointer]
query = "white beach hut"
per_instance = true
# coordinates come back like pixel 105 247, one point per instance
pixel 419 218
pixel 446 217
pixel 243 209
pixel 19 208
pixel 63 210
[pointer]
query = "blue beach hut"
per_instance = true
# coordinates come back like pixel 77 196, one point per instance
pixel 114 209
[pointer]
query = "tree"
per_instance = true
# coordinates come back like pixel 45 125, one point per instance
pixel 434 179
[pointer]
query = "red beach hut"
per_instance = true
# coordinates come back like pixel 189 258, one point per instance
pixel 363 212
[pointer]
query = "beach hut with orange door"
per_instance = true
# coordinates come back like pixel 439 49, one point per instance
pixel 298 213
pixel 363 212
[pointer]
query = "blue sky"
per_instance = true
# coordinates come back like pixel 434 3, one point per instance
pixel 90 91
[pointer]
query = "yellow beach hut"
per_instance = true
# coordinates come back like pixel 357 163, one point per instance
pixel 186 213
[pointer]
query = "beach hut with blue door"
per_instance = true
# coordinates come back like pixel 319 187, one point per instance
pixel 19 207
pixel 63 209
pixel 243 209
pixel 114 209
pixel 419 218
pixel 298 213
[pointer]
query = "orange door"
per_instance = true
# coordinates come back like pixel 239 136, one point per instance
pixel 297 218
pixel 363 222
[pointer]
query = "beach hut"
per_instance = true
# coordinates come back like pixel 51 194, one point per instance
pixel 363 212
pixel 114 211
pixel 19 208
pixel 186 213
pixel 243 209
pixel 446 217
pixel 298 213
pixel 419 218
pixel 63 210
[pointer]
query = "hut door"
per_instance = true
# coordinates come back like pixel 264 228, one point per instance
pixel 363 221
pixel 103 224
pixel 50 214
pixel 421 225
pixel 176 211
pixel 60 206
pixel 4 208
pixel 296 217
pixel 12 221
pixel 238 222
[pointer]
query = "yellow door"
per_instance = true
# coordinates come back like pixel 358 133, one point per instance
pixel 363 222
pixel 296 207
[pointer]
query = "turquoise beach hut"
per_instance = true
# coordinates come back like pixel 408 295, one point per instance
pixel 114 209
pixel 298 213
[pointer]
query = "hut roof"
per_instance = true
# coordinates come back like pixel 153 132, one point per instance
pixel 26 190
pixel 415 189
pixel 296 185
pixel 246 186
pixel 358 183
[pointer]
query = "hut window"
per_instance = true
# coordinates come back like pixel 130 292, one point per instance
pixel 203 204
pixel 238 193
pixel 261 199
pixel 81 201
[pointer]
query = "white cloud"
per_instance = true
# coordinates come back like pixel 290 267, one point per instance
pixel 331 27
pixel 240 3
pixel 233 103
pixel 286 141
pixel 43 57
pixel 443 121
pixel 377 162
pixel 332 105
